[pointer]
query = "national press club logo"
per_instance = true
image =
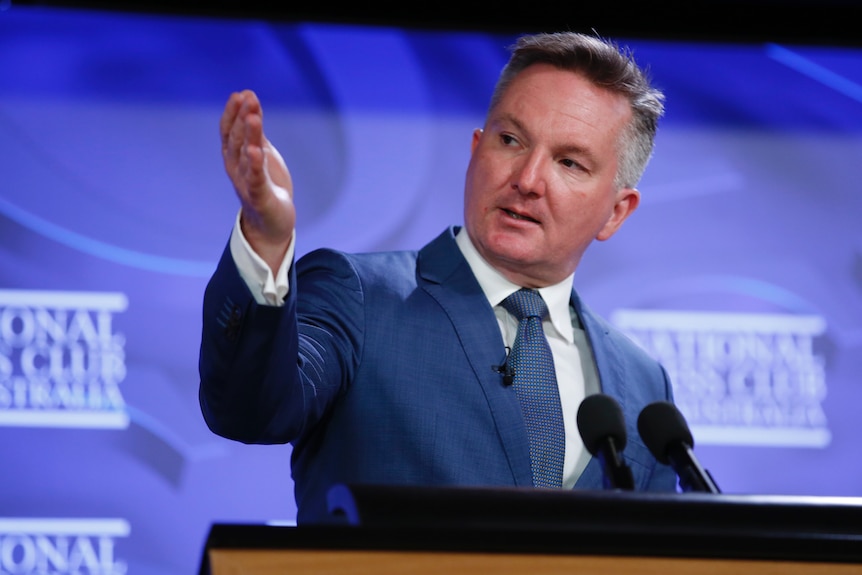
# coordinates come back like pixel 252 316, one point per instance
pixel 61 362
pixel 61 546
pixel 740 378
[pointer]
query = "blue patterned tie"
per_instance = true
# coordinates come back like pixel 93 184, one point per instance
pixel 536 387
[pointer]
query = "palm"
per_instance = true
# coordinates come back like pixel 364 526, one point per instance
pixel 260 177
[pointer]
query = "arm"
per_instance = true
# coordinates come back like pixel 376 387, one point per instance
pixel 269 374
pixel 245 366
pixel 244 345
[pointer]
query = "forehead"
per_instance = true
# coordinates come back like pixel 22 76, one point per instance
pixel 544 97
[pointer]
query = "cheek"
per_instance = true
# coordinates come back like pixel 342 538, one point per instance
pixel 488 169
pixel 574 215
pixel 478 186
pixel 472 209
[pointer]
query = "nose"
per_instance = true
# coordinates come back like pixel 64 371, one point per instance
pixel 529 175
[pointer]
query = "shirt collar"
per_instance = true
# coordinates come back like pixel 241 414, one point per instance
pixel 497 288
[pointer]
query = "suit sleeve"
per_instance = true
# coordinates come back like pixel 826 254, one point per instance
pixel 268 374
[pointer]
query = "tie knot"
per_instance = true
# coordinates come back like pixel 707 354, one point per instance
pixel 526 303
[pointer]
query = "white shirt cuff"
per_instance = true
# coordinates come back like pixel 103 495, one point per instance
pixel 266 288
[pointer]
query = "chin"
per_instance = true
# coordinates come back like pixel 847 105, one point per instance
pixel 515 260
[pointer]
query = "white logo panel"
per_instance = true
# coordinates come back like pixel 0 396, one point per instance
pixel 740 379
pixel 61 546
pixel 60 361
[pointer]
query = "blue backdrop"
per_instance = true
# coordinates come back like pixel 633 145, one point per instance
pixel 741 270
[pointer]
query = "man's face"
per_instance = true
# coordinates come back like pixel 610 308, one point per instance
pixel 539 186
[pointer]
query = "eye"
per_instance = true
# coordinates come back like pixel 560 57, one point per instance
pixel 576 167
pixel 508 139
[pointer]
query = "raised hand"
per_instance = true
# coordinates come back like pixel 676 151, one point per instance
pixel 259 176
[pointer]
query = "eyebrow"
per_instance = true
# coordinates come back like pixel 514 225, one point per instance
pixel 566 148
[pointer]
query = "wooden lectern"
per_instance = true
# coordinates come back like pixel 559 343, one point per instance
pixel 383 530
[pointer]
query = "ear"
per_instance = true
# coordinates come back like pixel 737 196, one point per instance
pixel 477 135
pixel 627 202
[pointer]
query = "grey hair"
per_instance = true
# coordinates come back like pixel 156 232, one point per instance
pixel 605 64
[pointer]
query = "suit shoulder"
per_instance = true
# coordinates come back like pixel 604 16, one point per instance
pixel 384 268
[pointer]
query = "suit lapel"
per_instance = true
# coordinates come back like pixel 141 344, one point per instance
pixel 446 277
pixel 610 364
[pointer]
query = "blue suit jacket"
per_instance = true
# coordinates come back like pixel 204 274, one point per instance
pixel 378 369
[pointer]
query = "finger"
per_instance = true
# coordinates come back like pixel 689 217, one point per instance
pixel 252 153
pixel 228 117
pixel 255 174
pixel 252 127
pixel 240 106
pixel 238 136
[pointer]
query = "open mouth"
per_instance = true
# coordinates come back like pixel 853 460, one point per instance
pixel 520 216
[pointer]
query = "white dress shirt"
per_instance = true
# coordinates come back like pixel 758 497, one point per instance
pixel 559 330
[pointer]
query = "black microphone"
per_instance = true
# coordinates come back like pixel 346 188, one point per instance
pixel 665 432
pixel 603 429
pixel 504 369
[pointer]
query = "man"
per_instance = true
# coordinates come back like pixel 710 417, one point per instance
pixel 378 367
